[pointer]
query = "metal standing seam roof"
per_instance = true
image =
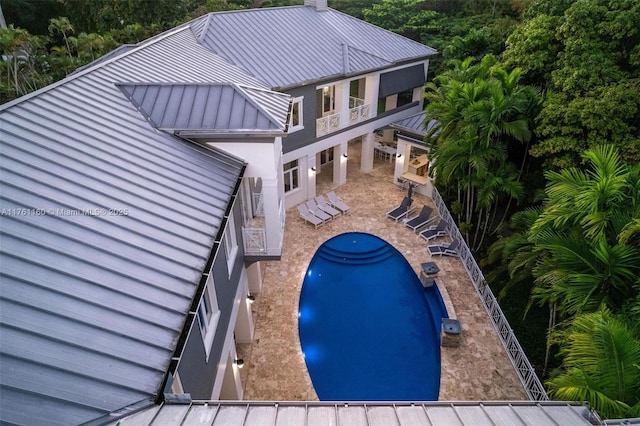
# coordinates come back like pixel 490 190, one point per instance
pixel 215 107
pixel 291 46
pixel 106 227
pixel 415 124
pixel 364 414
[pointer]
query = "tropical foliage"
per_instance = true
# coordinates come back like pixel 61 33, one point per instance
pixel 601 353
pixel 481 113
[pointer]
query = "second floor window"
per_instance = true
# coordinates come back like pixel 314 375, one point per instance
pixel 296 122
pixel 328 100
pixel 208 314
pixel 291 176
pixel 231 243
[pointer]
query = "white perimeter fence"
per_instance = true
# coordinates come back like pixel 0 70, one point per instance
pixel 523 367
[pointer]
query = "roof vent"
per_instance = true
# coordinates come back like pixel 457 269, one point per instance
pixel 319 5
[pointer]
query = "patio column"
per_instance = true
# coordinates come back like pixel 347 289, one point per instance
pixel 366 156
pixel 372 87
pixel 310 171
pixel 340 164
pixel 342 102
pixel 244 324
pixel 273 227
pixel 404 150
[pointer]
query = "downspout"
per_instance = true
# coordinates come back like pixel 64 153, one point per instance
pixel 186 329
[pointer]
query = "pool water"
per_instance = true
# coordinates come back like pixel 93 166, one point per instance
pixel 369 330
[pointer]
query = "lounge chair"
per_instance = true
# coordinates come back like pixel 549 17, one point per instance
pixel 423 219
pixel 307 216
pixel 324 206
pixel 450 250
pixel 337 202
pixel 435 231
pixel 315 210
pixel 402 210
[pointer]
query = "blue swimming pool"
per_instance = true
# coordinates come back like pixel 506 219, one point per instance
pixel 369 330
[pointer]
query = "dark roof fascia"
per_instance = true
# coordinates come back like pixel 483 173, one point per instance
pixel 190 317
pixel 219 135
pixel 342 76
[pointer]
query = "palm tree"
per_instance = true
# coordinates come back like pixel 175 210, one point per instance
pixel 584 261
pixel 479 110
pixel 601 365
pixel 62 26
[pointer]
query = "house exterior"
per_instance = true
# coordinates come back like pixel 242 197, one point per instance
pixel 139 195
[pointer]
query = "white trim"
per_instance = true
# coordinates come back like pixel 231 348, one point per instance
pixel 230 243
pixel 208 328
pixel 299 102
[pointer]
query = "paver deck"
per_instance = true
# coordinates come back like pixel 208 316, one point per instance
pixel 478 369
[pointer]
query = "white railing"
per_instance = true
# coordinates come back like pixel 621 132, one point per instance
pixel 327 124
pixel 518 358
pixel 255 240
pixel 258 203
pixel 359 113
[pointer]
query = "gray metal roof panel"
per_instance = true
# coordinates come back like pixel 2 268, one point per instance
pixel 198 107
pixel 414 124
pixel 245 413
pixel 92 304
pixel 290 46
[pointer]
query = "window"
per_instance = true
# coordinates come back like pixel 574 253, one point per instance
pixel 230 243
pixel 208 314
pixel 291 176
pixel 296 122
pixel 328 100
pixel 405 98
pixel 326 156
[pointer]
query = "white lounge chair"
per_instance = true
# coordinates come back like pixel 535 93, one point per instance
pixel 403 210
pixel 423 219
pixel 308 216
pixel 337 202
pixel 315 210
pixel 450 250
pixel 435 231
pixel 324 206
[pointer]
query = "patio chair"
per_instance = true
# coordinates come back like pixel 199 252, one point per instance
pixel 450 250
pixel 307 216
pixel 315 210
pixel 324 206
pixel 435 231
pixel 402 210
pixel 423 219
pixel 337 202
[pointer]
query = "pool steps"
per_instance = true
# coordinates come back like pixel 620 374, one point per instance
pixel 375 255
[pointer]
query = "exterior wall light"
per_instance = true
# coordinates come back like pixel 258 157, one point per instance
pixel 345 155
pixel 398 155
pixel 313 169
pixel 251 298
pixel 239 362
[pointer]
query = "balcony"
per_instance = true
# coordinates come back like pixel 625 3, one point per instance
pixel 254 230
pixel 358 112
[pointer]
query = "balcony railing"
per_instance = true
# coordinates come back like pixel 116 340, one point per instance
pixel 327 124
pixel 255 240
pixel 518 358
pixel 359 113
